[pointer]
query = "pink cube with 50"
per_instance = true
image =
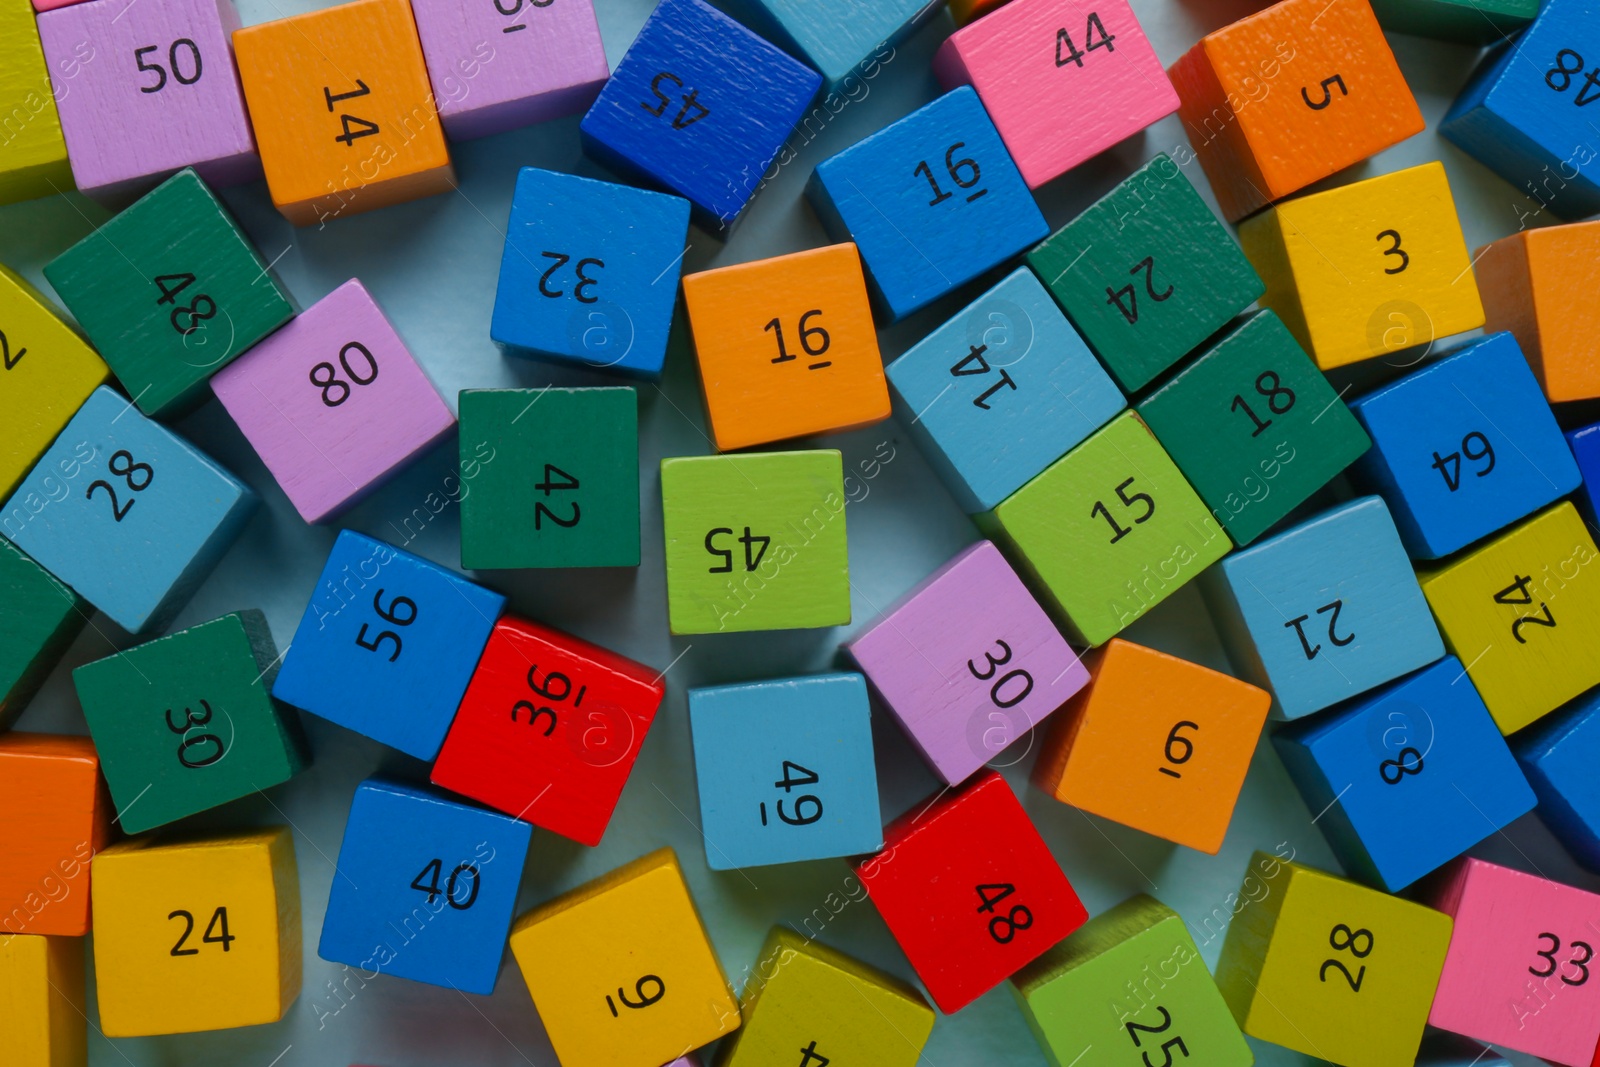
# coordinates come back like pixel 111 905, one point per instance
pixel 146 89
pixel 500 64
pixel 968 662
pixel 1063 80
pixel 333 403
pixel 1517 972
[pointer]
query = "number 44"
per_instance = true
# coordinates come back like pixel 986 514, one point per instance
pixel 1067 52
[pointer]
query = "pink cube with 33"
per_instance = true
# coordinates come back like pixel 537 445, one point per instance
pixel 968 662
pixel 145 90
pixel 500 64
pixel 1063 80
pixel 333 402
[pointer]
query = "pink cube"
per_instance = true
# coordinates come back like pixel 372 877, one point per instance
pixel 1517 972
pixel 968 662
pixel 500 64
pixel 333 402
pixel 1063 80
pixel 146 89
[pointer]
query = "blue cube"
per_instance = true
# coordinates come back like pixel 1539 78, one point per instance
pixel 933 201
pixel 1407 779
pixel 838 39
pixel 126 512
pixel 590 271
pixel 424 888
pixel 387 644
pixel 1463 447
pixel 1323 611
pixel 785 770
pixel 1001 391
pixel 1525 116
pixel 1585 446
pixel 700 106
pixel 1558 756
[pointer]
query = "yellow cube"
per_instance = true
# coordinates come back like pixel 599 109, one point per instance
pixel 1369 268
pixel 41 1001
pixel 46 373
pixel 33 154
pixel 807 997
pixel 621 969
pixel 1324 966
pixel 1523 613
pixel 197 934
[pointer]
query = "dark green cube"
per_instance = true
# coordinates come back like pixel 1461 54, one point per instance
pixel 1254 426
pixel 170 292
pixel 550 478
pixel 39 618
pixel 187 722
pixel 1147 273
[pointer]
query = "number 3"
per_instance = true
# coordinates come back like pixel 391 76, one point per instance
pixel 1395 250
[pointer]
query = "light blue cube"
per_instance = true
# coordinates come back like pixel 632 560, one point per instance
pixel 839 37
pixel 932 201
pixel 1408 778
pixel 1558 756
pixel 1323 611
pixel 1001 391
pixel 590 272
pixel 1463 447
pixel 785 770
pixel 126 512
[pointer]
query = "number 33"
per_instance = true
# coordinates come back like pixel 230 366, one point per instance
pixel 1549 955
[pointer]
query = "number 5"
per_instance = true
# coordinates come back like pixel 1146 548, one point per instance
pixel 1149 504
pixel 1327 93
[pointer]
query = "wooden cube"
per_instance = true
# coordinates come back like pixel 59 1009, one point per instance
pixel 334 403
pixel 175 104
pixel 1556 756
pixel 1518 968
pixel 63 817
pixel 968 662
pixel 762 333
pixel 560 759
pixel 33 161
pixel 39 394
pixel 1523 114
pixel 838 42
pixel 932 200
pixel 808 997
pixel 1289 95
pixel 1332 969
pixel 1194 731
pixel 387 644
pixel 1450 472
pixel 699 106
pixel 39 619
pixel 1522 611
pixel 1252 406
pixel 1528 289
pixel 1033 61
pixel 970 890
pixel 1382 775
pixel 343 110
pixel 562 488
pixel 494 70
pixel 41 999
pixel 755 542
pixel 1001 391
pixel 1137 957
pixel 425 888
pixel 1108 531
pixel 165 916
pixel 1478 22
pixel 187 722
pixel 1368 268
pixel 601 960
pixel 1146 273
pixel 756 743
pixel 1324 611
pixel 1585 445
pixel 137 520
pixel 604 260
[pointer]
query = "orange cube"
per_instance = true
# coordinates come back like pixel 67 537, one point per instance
pixel 57 816
pixel 1536 284
pixel 343 112
pixel 1156 743
pixel 786 347
pixel 1288 96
